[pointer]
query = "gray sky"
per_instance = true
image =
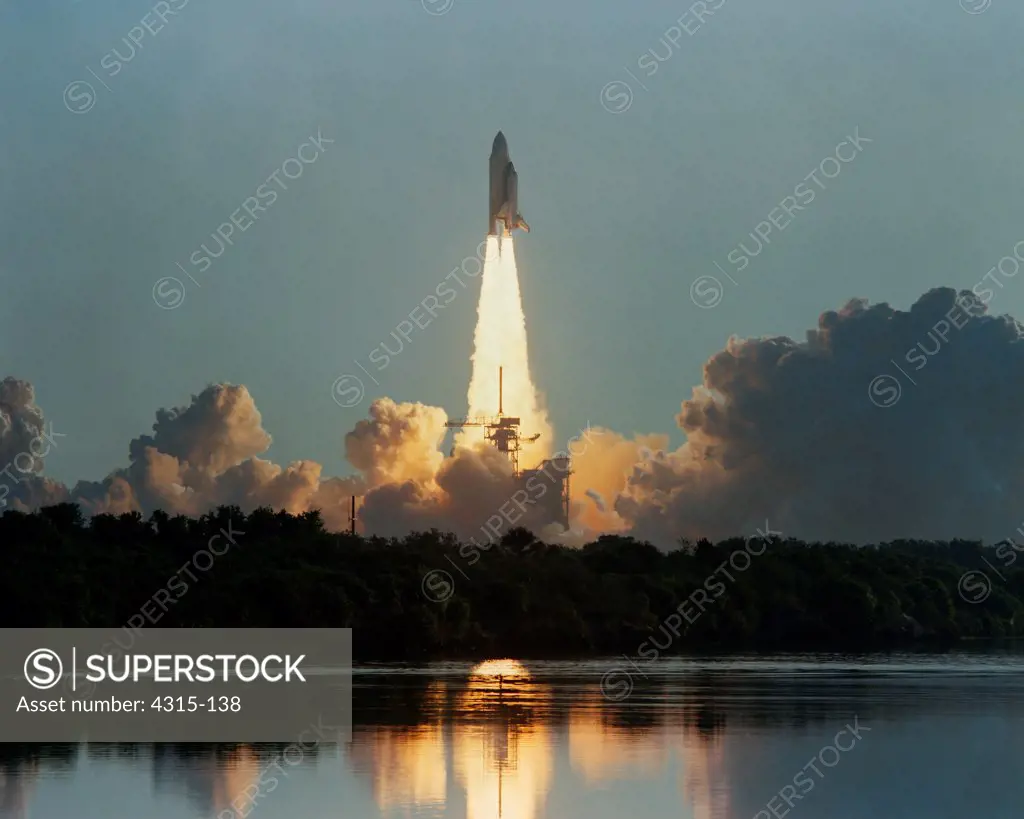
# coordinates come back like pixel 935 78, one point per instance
pixel 627 209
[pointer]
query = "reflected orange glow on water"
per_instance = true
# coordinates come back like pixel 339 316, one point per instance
pixel 218 785
pixel 600 752
pixel 498 668
pixel 235 778
pixel 505 763
pixel 505 773
pixel 702 777
pixel 407 764
pixel 510 740
pixel 501 689
pixel 489 738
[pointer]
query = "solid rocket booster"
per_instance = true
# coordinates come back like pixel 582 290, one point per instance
pixel 504 199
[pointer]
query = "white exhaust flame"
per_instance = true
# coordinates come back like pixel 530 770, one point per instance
pixel 500 341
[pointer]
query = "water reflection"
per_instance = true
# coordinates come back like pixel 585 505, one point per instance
pixel 210 782
pixel 20 768
pixel 406 764
pixel 513 740
pixel 601 752
pixel 702 778
pixel 16 784
pixel 487 725
pixel 503 756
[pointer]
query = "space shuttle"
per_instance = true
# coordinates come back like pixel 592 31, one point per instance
pixel 504 201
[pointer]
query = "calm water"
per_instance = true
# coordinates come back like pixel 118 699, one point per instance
pixel 928 736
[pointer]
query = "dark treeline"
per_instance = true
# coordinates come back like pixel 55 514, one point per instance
pixel 409 599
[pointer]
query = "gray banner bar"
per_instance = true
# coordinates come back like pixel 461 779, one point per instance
pixel 176 685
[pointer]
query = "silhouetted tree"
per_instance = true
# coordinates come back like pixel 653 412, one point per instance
pixel 522 596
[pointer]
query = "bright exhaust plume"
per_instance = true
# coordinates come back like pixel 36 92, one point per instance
pixel 500 342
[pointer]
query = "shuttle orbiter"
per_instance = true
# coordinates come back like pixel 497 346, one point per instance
pixel 504 202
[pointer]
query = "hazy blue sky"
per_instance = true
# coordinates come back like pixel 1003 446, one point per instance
pixel 627 210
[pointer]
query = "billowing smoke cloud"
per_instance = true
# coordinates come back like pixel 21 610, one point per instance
pixel 399 442
pixel 25 440
pixel 474 494
pixel 21 422
pixel 825 438
pixel 789 431
pixel 602 463
pixel 206 455
pixel 220 429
